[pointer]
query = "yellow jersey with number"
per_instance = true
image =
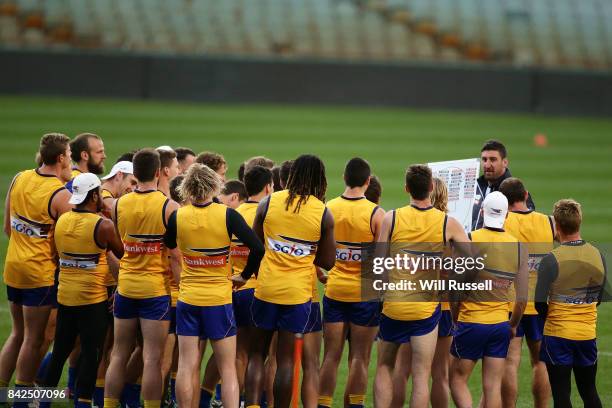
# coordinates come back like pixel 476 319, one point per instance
pixel 500 255
pixel 240 252
pixel 536 230
pixel 353 230
pixel 83 266
pixel 573 296
pixel 415 232
pixel 291 241
pixel 204 241
pixel 31 257
pixel 141 222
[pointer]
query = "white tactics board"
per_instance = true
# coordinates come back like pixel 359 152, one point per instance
pixel 460 178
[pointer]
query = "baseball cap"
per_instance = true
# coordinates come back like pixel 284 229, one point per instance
pixel 125 167
pixel 494 210
pixel 81 185
pixel 165 147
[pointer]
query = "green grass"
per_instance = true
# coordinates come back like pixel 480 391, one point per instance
pixel 576 164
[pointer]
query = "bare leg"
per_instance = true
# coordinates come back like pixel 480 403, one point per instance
pixel 509 387
pixel 401 373
pixel 154 334
pixel 35 323
pixel 125 331
pixel 225 354
pixel 460 372
pixel 423 349
pixel 387 354
pixel 440 388
pixel 335 335
pixel 492 373
pixel 254 379
pixel 310 368
pixel 284 369
pixel 12 345
pixel 188 364
pixel 541 386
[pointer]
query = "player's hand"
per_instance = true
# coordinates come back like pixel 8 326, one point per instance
pixel 513 332
pixel 322 278
pixel 111 302
pixel 237 281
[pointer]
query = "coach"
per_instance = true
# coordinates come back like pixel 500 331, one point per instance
pixel 495 170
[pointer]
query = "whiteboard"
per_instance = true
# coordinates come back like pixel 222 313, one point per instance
pixel 460 177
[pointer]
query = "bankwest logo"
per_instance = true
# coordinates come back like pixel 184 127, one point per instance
pixel 28 227
pixel 210 258
pixel 292 246
pixel 146 244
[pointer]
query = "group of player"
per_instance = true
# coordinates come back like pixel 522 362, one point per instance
pixel 128 276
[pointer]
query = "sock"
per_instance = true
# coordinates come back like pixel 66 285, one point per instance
pixel 71 380
pixel 241 401
pixel 98 395
pixel 42 369
pixel 152 403
pixel 356 400
pixel 111 403
pixel 131 395
pixel 22 384
pixel 263 401
pixel 324 401
pixel 218 392
pixel 252 406
pixel 173 386
pixel 205 397
pixel 83 403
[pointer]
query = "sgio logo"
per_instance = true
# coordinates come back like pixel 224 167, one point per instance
pixel 348 254
pixel 290 248
pixel 31 230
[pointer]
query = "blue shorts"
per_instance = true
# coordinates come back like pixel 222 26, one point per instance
pixel 206 322
pixel 155 308
pixel 360 313
pixel 400 331
pixel 241 300
pixel 272 316
pixel 445 326
pixel 172 328
pixel 532 327
pixel 45 296
pixel 474 341
pixel 314 321
pixel 560 351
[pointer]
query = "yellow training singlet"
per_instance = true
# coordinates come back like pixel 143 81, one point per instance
pixel 140 219
pixel 352 229
pixel 83 266
pixel 204 241
pixel 536 230
pixel 75 172
pixel 106 194
pixel 291 241
pixel 414 230
pixel 500 252
pixel 31 256
pixel 573 296
pixel 240 252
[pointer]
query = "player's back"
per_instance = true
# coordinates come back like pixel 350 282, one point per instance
pixel 415 232
pixel 30 259
pixel 353 230
pixel 536 230
pixel 141 222
pixel 240 252
pixel 83 266
pixel 573 296
pixel 291 240
pixel 500 252
pixel 202 236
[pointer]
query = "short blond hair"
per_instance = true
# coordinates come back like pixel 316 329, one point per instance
pixel 567 213
pixel 439 195
pixel 200 183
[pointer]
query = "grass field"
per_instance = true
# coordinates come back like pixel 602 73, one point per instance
pixel 576 164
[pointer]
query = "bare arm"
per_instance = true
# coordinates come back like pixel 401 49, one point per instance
pixel 107 236
pixel 260 216
pixel 455 233
pixel 377 220
pixel 60 204
pixel 326 250
pixel 521 285
pixel 176 265
pixel 113 264
pixel 7 208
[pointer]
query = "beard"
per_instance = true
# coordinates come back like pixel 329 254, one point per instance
pixel 95 168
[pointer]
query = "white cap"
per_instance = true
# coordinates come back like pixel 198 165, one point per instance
pixel 165 147
pixel 494 210
pixel 83 184
pixel 124 166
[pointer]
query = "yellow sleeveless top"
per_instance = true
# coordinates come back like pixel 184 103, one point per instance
pixel 143 270
pixel 83 266
pixel 536 230
pixel 204 241
pixel 414 231
pixel 31 256
pixel 353 230
pixel 572 306
pixel 291 241
pixel 500 251
pixel 240 252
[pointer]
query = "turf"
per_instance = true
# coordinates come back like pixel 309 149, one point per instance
pixel 575 164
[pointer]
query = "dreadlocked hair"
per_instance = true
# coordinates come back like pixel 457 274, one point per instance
pixel 307 178
pixel 200 183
